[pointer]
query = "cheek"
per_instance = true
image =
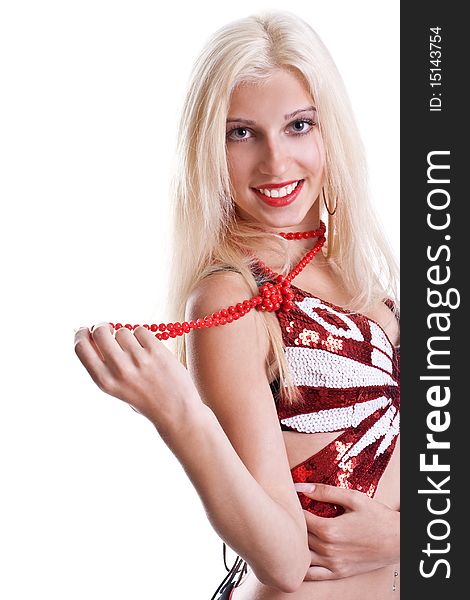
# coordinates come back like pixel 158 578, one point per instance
pixel 238 167
pixel 314 155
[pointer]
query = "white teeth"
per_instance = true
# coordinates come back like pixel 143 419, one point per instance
pixel 280 192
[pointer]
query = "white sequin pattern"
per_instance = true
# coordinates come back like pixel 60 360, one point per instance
pixel 316 367
pixel 379 429
pixel 391 433
pixel 308 304
pixel 379 359
pixel 379 339
pixel 335 419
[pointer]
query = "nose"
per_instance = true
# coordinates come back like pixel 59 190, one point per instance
pixel 275 157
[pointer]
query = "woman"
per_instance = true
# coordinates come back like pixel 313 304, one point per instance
pixel 302 381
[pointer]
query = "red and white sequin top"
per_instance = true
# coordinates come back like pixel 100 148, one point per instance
pixel 347 371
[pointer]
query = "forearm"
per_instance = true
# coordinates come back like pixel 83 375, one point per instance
pixel 261 530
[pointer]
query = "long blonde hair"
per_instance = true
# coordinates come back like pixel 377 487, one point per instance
pixel 207 235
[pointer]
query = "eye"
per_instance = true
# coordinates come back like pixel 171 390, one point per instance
pixel 302 126
pixel 239 134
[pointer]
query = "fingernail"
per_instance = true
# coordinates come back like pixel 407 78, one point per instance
pixel 79 328
pixel 99 325
pixel 304 487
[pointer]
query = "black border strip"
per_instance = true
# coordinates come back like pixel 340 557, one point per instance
pixel 433 129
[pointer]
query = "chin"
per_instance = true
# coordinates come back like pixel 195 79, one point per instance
pixel 286 219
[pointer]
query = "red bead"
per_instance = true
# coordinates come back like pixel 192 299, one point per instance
pixel 273 296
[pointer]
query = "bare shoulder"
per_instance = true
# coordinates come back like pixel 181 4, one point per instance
pixel 229 367
pixel 387 319
pixel 220 288
pixel 219 292
pixel 225 359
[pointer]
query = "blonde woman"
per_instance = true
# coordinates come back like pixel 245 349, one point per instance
pixel 292 356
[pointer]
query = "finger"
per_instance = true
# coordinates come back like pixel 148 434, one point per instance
pixel 89 355
pixel 316 573
pixel 317 560
pixel 315 543
pixel 85 331
pixel 335 495
pixel 103 337
pixel 319 530
pixel 127 341
pixel 146 338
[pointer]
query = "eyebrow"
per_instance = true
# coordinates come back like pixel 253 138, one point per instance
pixel 286 117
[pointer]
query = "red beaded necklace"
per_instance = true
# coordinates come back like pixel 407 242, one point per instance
pixel 272 296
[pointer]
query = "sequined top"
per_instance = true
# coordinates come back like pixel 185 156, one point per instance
pixel 347 372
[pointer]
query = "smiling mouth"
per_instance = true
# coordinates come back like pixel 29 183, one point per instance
pixel 280 196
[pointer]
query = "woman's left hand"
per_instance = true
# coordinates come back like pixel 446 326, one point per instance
pixel 364 538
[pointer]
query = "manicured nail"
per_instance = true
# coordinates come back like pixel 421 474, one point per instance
pixel 100 325
pixel 304 487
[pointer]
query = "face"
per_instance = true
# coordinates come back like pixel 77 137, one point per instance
pixel 275 152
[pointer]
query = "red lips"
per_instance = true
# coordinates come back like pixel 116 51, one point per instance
pixel 279 202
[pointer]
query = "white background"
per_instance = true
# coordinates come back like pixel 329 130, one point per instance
pixel 93 505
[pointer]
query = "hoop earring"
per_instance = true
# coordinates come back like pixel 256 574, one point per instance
pixel 331 213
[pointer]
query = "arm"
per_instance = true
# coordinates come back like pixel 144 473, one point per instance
pixel 228 365
pixel 239 469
